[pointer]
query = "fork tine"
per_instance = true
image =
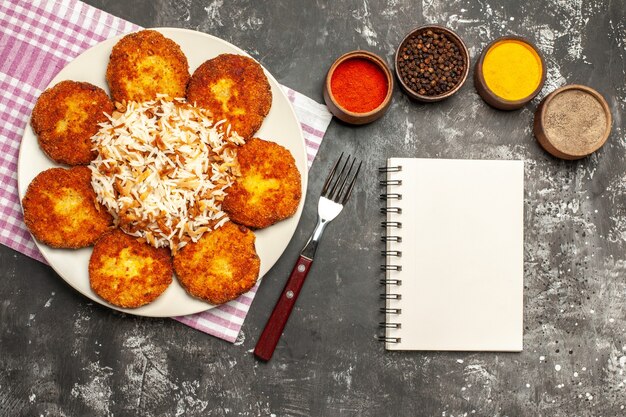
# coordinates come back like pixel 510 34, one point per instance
pixel 337 197
pixel 347 196
pixel 332 193
pixel 330 175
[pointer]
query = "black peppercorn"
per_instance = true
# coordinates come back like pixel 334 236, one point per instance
pixel 430 63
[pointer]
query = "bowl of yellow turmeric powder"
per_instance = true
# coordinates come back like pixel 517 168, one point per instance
pixel 510 72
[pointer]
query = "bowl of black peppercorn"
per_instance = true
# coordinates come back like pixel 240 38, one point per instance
pixel 432 63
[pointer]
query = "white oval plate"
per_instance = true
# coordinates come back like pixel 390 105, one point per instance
pixel 280 126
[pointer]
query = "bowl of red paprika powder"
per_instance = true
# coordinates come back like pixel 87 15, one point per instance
pixel 358 87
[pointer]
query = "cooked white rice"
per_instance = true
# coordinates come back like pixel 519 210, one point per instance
pixel 162 170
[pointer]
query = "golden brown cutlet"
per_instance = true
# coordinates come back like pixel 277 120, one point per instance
pixel 221 266
pixel 269 188
pixel 65 118
pixel 144 64
pixel 128 273
pixel 232 87
pixel 60 209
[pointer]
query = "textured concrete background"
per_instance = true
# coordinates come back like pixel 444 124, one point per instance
pixel 62 355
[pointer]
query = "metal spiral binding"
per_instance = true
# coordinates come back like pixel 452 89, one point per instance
pixel 387 325
pixel 386 266
pixel 390 182
pixel 391 281
pixel 387 296
pixel 397 225
pixel 390 169
pixel 385 210
pixel 389 339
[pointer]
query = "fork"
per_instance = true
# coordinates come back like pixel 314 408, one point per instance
pixel 335 194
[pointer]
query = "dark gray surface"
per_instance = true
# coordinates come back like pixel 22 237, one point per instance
pixel 63 355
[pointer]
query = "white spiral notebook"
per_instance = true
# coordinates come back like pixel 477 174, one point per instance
pixel 454 254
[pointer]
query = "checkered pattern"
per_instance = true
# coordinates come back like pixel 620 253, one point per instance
pixel 38 38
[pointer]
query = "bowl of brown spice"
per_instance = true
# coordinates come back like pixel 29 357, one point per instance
pixel 432 63
pixel 572 122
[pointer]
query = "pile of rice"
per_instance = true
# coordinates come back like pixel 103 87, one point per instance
pixel 162 170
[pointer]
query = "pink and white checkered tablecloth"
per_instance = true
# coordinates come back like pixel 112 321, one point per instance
pixel 37 39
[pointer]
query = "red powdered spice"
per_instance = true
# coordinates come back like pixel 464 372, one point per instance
pixel 359 85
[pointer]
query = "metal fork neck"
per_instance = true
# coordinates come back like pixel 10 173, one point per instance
pixel 311 247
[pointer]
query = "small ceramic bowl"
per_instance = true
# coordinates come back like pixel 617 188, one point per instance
pixel 496 101
pixel 349 116
pixel 561 149
pixel 456 39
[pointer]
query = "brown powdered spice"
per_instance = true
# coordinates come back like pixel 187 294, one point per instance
pixel 575 122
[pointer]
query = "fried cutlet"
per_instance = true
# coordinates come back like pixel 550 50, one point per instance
pixel 269 188
pixel 128 273
pixel 232 87
pixel 65 118
pixel 220 266
pixel 144 64
pixel 60 209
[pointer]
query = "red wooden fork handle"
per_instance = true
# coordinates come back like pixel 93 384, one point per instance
pixel 276 323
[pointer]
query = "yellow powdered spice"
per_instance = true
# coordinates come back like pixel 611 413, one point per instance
pixel 512 69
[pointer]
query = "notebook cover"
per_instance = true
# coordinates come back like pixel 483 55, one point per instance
pixel 462 255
